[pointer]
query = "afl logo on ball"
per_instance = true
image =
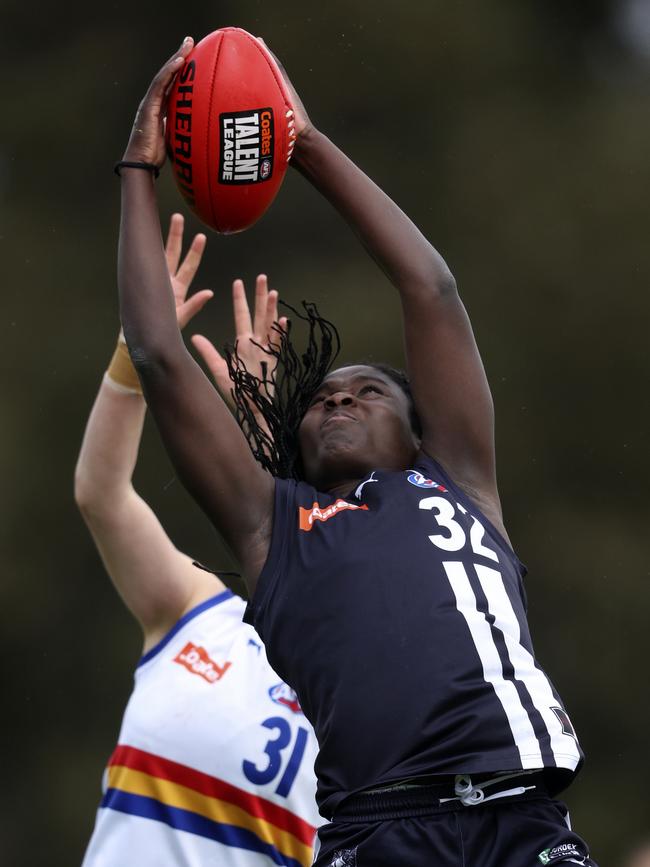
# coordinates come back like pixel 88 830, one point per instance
pixel 246 146
pixel 419 481
pixel 283 694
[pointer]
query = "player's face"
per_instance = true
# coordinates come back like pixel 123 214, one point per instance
pixel 358 420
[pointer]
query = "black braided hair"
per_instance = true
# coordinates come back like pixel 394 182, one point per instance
pixel 282 398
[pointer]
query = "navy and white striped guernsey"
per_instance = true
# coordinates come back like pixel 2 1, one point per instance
pixel 398 615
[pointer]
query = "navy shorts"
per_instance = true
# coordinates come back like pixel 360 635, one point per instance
pixel 507 833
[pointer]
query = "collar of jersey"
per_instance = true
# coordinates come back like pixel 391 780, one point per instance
pixel 224 596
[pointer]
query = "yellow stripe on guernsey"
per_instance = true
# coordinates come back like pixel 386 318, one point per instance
pixel 176 795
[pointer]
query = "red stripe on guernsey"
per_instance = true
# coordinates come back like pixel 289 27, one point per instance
pixel 148 763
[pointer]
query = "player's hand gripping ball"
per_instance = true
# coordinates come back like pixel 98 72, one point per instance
pixel 230 129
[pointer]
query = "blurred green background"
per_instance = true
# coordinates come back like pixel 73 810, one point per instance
pixel 517 135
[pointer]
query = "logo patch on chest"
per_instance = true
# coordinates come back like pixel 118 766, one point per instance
pixel 567 726
pixel 345 858
pixel 284 695
pixel 565 852
pixel 196 660
pixel 420 481
pixel 306 517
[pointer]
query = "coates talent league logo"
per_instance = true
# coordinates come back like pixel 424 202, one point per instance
pixel 246 146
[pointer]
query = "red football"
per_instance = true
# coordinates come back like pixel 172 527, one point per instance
pixel 230 129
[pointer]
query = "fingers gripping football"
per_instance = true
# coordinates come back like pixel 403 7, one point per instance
pixel 147 142
pixel 301 122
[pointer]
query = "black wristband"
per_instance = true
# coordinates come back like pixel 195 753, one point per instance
pixel 127 164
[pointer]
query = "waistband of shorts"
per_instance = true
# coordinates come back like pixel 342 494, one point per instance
pixel 406 800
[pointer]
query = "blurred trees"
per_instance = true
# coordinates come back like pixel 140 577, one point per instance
pixel 517 135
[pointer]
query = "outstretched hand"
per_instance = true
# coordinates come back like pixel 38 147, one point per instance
pixel 182 273
pixel 252 336
pixel 147 140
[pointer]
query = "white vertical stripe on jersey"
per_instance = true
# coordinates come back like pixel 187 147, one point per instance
pixel 536 683
pixel 518 719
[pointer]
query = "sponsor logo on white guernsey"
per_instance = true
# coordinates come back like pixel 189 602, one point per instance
pixel 196 660
pixel 247 146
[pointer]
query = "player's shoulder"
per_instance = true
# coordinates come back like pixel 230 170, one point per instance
pixel 216 618
pixel 224 604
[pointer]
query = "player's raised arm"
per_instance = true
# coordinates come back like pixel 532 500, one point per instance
pixel 157 582
pixel 447 376
pixel 203 440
